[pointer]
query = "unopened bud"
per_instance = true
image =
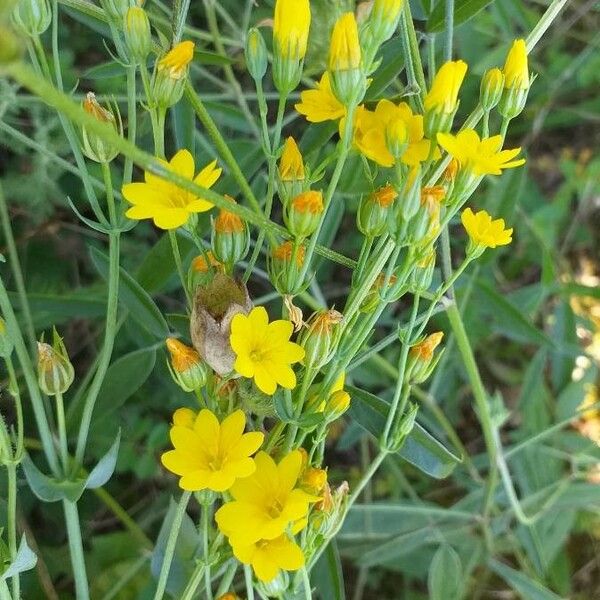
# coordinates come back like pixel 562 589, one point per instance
pixel 285 268
pixel 490 90
pixel 95 147
pixel 303 214
pixel 313 480
pixel 320 337
pixel 396 136
pixel 337 404
pixel 11 46
pixel 32 17
pixel 291 171
pixel 230 238
pixel 422 358
pixel 372 217
pixel 516 81
pixel 256 54
pixel 116 10
pixel 384 18
pixel 55 371
pixel 187 368
pixel 137 34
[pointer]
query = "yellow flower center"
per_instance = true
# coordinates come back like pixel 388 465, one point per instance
pixel 274 510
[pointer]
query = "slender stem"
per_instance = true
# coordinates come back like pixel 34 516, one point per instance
pixel 400 383
pixel 206 511
pixel 306 584
pixel 16 270
pixel 227 578
pixel 76 550
pixel 449 29
pixel 107 348
pixel 30 380
pixel 170 547
pixel 62 431
pixel 180 12
pixel 194 582
pixel 12 376
pixel 414 56
pixel 179 264
pixel 483 410
pixel 11 507
pixel 131 120
pixel 249 583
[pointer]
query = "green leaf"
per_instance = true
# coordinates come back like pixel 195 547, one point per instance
pixel 327 575
pixel 105 71
pixel 186 549
pixel 24 560
pixel 134 298
pixel 49 489
pixel 211 58
pixel 392 63
pixel 105 467
pixel 420 448
pixel 445 575
pixel 527 588
pixel 463 10
pixel 514 323
pixel 184 124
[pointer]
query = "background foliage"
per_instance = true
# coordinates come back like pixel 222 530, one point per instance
pixel 532 312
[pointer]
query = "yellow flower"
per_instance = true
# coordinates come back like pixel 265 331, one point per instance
pixel 208 454
pixel 320 104
pixel 370 133
pixel 516 69
pixel 176 61
pixel 264 351
pixel 483 231
pixel 344 49
pixel 424 349
pixel 290 27
pixel 267 502
pixel 291 165
pixel 384 18
pixel 479 156
pixel 165 203
pixel 268 557
pixel 443 95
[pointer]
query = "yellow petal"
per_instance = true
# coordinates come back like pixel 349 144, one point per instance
pixel 288 471
pixel 183 164
pixel 184 417
pixel 170 218
pixel 208 175
pixel 196 481
pixel 232 428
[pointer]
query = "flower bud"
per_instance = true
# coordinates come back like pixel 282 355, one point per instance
pixel 374 211
pixel 291 24
pixel 116 10
pixel 276 587
pixel 6 341
pixel 201 271
pixel 490 91
pixel 401 226
pixel 441 102
pixel 55 371
pixel 337 404
pixel 291 170
pixel 186 366
pixel 32 17
pixel 256 54
pixel 95 147
pixel 303 214
pixel 421 358
pixel 331 510
pixel 345 56
pixel 285 267
pixel 137 34
pixel 516 81
pixel 380 292
pixel 170 74
pixel 422 274
pixel 319 339
pixel 384 18
pixel 230 238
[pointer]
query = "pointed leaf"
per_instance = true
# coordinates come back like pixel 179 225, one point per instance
pixel 445 575
pixel 420 449
pixel 49 489
pixel 327 575
pixel 24 561
pixel 463 10
pixel 527 588
pixel 105 467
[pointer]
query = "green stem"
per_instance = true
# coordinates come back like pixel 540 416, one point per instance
pixel 206 511
pixel 483 411
pixel 62 431
pixel 179 264
pixel 107 348
pixel 27 77
pixel 414 54
pixel 306 584
pixel 248 581
pixel 227 578
pixel 400 383
pixel 30 380
pixel 76 550
pixel 11 508
pixel 180 12
pixel 449 29
pixel 12 376
pixel 170 547
pixel 131 120
pixel 272 172
pixel 15 266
